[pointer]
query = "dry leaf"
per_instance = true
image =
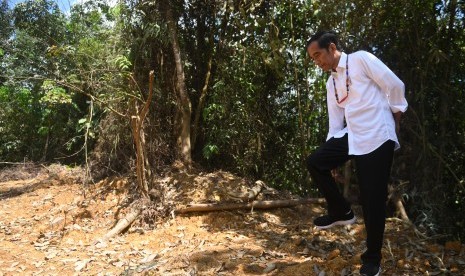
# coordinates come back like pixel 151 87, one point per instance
pixel 57 220
pixel 50 255
pixel 80 265
pixel 101 245
pixel 38 263
pixel 118 264
pixel 48 197
pixel 16 237
pixel 44 244
pixel 148 259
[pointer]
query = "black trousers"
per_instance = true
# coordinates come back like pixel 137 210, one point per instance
pixel 373 170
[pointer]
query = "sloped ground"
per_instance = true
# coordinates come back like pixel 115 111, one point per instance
pixel 48 226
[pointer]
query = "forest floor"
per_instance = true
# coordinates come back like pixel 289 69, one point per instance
pixel 49 225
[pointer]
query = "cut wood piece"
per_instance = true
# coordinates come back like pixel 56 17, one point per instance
pixel 268 204
pixel 249 195
pixel 255 191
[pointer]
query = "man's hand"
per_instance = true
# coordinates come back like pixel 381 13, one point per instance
pixel 397 116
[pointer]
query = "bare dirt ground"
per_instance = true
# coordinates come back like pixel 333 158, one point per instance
pixel 50 222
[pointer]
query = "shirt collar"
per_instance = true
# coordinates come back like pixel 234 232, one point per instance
pixel 342 61
pixel 340 66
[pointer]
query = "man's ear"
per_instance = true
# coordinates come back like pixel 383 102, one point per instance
pixel 332 47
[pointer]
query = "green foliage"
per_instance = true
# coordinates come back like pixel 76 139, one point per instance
pixel 4 20
pixel 61 61
pixel 54 95
pixel 122 62
pixel 16 123
pixel 209 151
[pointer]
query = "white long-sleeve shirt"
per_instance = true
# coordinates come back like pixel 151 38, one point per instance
pixel 375 93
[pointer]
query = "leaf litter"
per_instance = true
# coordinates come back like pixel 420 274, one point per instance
pixel 48 226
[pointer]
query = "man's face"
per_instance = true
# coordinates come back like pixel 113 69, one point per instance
pixel 323 58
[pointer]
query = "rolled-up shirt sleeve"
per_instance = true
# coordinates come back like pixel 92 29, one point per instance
pixel 387 81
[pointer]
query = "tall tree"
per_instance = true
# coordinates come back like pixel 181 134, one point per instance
pixel 185 110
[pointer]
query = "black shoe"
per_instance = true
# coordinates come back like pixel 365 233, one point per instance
pixel 369 269
pixel 329 221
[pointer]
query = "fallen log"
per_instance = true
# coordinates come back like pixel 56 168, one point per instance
pixel 258 204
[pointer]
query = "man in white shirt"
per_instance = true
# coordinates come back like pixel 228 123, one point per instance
pixel 365 102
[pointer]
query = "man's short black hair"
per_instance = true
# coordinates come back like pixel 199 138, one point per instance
pixel 324 39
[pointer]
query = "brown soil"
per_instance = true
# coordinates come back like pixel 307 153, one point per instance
pixel 49 226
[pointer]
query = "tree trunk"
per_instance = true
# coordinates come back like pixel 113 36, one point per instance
pixel 203 95
pixel 47 141
pixel 302 132
pixel 184 134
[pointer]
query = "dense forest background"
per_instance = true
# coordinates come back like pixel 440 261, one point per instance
pixel 233 89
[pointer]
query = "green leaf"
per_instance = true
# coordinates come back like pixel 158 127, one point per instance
pixel 210 150
pixel 54 95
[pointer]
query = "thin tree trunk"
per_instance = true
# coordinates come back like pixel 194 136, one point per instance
pixel 137 124
pixel 86 137
pixel 302 132
pixel 184 136
pixel 198 111
pixel 47 141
